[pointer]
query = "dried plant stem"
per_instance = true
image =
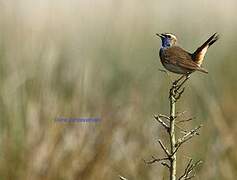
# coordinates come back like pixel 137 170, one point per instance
pixel 174 95
pixel 172 134
pixel 170 159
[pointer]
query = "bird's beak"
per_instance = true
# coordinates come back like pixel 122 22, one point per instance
pixel 160 35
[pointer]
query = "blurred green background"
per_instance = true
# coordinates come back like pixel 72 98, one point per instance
pixel 75 58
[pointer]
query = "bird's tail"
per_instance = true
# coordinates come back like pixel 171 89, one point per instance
pixel 199 54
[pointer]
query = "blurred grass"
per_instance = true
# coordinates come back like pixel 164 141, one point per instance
pixel 100 59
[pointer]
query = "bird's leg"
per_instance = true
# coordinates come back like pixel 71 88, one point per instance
pixel 181 84
pixel 177 81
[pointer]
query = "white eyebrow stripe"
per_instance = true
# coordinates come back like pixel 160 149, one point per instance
pixel 173 36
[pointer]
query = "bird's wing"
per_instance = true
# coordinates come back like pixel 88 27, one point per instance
pixel 179 57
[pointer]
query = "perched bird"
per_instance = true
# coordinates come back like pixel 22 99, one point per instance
pixel 177 60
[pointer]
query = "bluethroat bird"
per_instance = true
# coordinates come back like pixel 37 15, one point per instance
pixel 179 61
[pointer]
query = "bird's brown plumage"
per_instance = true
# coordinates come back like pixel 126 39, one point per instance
pixel 176 56
pixel 177 60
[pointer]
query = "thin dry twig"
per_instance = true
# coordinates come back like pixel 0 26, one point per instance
pixel 188 136
pixel 189 169
pixel 165 164
pixel 182 130
pixel 164 116
pixel 163 70
pixel 122 178
pixel 154 159
pixel 164 148
pixel 180 114
pixel 186 120
pixel 162 122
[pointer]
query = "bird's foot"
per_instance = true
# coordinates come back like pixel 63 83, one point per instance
pixel 178 86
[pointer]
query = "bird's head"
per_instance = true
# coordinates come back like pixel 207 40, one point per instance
pixel 168 39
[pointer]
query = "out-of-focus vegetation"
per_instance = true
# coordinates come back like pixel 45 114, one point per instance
pixel 71 58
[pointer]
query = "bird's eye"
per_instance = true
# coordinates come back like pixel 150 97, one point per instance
pixel 169 36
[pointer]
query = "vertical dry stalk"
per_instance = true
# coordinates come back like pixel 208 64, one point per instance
pixel 172 133
pixel 170 160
